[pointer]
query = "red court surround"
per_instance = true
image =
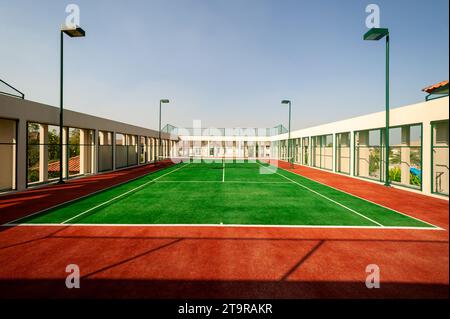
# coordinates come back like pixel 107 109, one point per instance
pixel 223 262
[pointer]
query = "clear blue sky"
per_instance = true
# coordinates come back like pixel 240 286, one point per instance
pixel 225 62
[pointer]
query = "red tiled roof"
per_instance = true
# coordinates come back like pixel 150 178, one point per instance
pixel 74 165
pixel 431 88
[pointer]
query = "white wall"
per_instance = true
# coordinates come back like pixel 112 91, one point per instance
pixel 424 113
pixel 420 113
pixel 25 111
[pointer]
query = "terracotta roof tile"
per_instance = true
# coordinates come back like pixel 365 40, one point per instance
pixel 74 165
pixel 431 88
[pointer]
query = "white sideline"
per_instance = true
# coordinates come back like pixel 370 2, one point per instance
pixel 327 198
pixel 121 195
pixel 227 182
pixel 290 181
pixel 362 198
pixel 82 197
pixel 222 225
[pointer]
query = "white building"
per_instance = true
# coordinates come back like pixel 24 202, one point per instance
pixel 29 151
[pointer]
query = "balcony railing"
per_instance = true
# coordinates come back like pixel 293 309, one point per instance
pixel 18 94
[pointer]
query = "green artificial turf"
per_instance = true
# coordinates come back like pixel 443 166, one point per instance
pixel 248 193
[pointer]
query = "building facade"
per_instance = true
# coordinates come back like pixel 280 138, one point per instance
pixel 418 150
pixel 418 146
pixel 29 144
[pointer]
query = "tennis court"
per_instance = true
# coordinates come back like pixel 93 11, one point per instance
pixel 224 192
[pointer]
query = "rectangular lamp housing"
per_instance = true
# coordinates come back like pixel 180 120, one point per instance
pixel 376 34
pixel 74 32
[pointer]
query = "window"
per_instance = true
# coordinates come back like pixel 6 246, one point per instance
pixel 132 150
pixel 405 155
pixel 8 131
pixel 297 150
pixel 439 167
pixel 80 154
pixel 322 151
pixel 126 150
pixel 369 154
pixel 105 151
pixel 43 154
pixel 343 153
pixel 143 150
pixel 121 151
pixel 305 158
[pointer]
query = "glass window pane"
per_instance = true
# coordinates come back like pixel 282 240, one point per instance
pixel 405 156
pixel 368 154
pixel 8 154
pixel 343 153
pixel 440 159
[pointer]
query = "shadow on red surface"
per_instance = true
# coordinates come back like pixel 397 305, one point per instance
pixel 169 263
pixel 21 204
pixel 180 289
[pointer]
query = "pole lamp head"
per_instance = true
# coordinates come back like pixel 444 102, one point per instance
pixel 73 32
pixel 376 34
pixel 164 101
pixel 286 102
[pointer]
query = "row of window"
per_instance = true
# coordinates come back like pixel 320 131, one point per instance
pixel 329 152
pixel 78 158
pixel 237 149
pixel 405 154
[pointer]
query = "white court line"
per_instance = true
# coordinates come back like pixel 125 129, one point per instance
pixel 121 195
pixel 362 198
pixel 227 182
pixel 238 225
pixel 89 195
pixel 223 172
pixel 327 198
pixel 223 225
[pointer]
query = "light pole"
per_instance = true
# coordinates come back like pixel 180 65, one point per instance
pixel 289 133
pixel 75 32
pixel 377 34
pixel 159 131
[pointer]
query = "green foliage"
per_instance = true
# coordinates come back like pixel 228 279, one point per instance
pixel 414 180
pixel 33 156
pixel 395 156
pixel 33 151
pixel 53 147
pixel 33 175
pixel 395 174
pixel 415 157
pixel 54 174
pixel 374 161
